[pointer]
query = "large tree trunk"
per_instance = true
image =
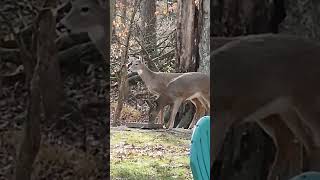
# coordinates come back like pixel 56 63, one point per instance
pixel 204 41
pixel 240 17
pixel 50 78
pixel 186 52
pixel 302 18
pixel 46 63
pixel 149 35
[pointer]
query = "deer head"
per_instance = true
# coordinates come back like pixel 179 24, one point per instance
pixel 136 65
pixel 85 16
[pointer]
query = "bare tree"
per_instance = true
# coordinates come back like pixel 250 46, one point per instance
pixel 123 76
pixel 148 28
pixel 45 69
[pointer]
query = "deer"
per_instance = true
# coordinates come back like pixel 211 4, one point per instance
pixel 262 75
pixel 283 138
pixel 89 16
pixel 157 82
pixel 179 90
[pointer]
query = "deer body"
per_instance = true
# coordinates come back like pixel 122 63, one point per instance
pixel 157 82
pixel 263 75
pixel 189 86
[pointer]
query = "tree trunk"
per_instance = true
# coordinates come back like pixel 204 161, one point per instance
pixel 306 23
pixel 238 17
pixel 148 27
pixel 50 80
pixel 204 41
pixel 31 134
pixel 185 52
pixel 46 63
pixel 123 81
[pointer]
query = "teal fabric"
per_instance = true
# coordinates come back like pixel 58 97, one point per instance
pixel 200 150
pixel 307 176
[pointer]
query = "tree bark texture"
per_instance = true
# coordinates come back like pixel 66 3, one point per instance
pixel 50 80
pixel 185 56
pixel 204 31
pixel 148 28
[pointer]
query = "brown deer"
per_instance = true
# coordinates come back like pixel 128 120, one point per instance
pixel 157 83
pixel 89 16
pixel 185 87
pixel 262 75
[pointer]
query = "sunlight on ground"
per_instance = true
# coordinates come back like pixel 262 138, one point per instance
pixel 146 154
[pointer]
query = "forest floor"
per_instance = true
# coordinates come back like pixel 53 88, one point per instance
pixel 149 154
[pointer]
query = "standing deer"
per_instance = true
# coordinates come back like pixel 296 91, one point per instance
pixel 89 16
pixel 262 75
pixel 185 87
pixel 157 82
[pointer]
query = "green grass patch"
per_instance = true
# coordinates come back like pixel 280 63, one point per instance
pixel 142 154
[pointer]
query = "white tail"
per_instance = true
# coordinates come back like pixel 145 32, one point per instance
pixel 88 16
pixel 261 75
pixel 157 82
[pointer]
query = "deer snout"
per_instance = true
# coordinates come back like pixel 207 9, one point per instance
pixel 63 25
pixel 60 27
pixel 129 69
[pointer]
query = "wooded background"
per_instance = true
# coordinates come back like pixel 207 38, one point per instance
pixel 170 36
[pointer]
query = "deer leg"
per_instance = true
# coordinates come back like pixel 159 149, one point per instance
pixel 174 112
pixel 284 107
pixel 288 158
pixel 198 113
pixel 161 120
pixel 195 116
pixel 294 120
pixel 309 110
pixel 204 102
pixel 279 131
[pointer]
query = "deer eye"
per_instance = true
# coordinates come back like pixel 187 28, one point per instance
pixel 85 9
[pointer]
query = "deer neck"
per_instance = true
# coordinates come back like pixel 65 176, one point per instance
pixel 147 76
pixel 98 37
